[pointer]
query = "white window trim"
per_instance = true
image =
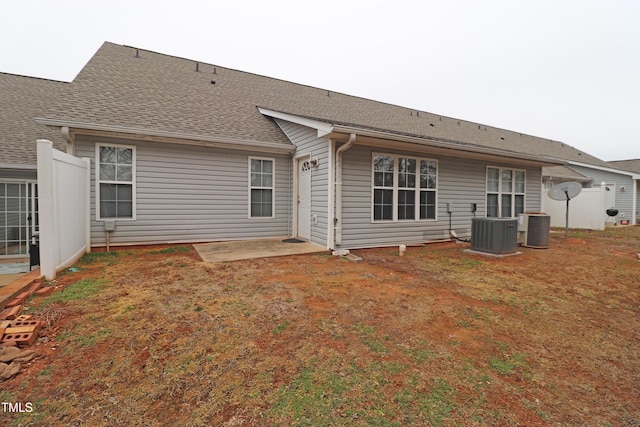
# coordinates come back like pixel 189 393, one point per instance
pixel 98 182
pixel 500 192
pixel 272 188
pixel 396 188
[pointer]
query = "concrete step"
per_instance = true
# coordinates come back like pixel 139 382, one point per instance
pixel 29 282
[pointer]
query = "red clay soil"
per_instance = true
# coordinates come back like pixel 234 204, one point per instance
pixel 436 337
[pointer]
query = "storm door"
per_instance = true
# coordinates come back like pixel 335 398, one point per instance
pixel 18 217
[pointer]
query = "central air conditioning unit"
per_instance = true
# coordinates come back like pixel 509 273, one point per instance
pixel 494 235
pixel 534 230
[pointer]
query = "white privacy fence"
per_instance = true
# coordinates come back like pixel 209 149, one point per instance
pixel 63 205
pixel 586 210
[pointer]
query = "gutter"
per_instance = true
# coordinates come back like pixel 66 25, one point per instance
pixel 452 145
pixel 337 221
pixel 325 128
pixel 170 137
pixel 17 167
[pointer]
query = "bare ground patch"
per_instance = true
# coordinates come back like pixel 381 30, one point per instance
pixel 436 337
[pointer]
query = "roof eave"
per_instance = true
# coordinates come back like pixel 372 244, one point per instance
pixel 156 135
pixel 380 137
pixel 451 147
pixel 323 128
pixel 633 175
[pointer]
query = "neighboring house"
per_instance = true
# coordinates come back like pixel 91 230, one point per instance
pixel 183 151
pixel 631 166
pixel 628 165
pixel 21 100
pixel 616 181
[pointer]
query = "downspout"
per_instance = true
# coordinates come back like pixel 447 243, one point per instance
pixel 66 135
pixel 337 221
pixel 290 210
pixel 634 202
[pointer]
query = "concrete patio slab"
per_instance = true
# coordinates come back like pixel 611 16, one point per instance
pixel 14 267
pixel 248 249
pixel 6 279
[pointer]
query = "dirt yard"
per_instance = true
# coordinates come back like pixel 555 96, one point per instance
pixel 156 337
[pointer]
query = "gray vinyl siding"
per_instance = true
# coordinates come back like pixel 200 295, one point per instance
pixel 307 143
pixel 191 194
pixel 624 199
pixel 461 182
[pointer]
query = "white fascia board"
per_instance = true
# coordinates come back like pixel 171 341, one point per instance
pixel 606 169
pixel 173 137
pixel 17 167
pixel 461 147
pixel 323 128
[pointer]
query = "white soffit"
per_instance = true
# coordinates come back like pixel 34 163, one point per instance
pixel 323 128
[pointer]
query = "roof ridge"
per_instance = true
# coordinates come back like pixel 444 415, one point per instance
pixel 409 109
pixel 357 97
pixel 34 77
pixel 272 78
pixel 162 91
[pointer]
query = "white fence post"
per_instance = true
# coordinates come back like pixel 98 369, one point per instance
pixel 46 210
pixel 87 194
pixel 63 190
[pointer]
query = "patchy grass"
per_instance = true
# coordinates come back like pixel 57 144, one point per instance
pixel 509 364
pixel 81 290
pixel 172 250
pixel 436 337
pixel 94 257
pixel 281 327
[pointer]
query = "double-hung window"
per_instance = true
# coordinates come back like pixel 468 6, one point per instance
pixel 428 171
pixel 404 188
pixel 261 187
pixel 505 192
pixel 383 167
pixel 115 170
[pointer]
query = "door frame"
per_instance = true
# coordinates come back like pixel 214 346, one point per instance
pixel 30 214
pixel 296 193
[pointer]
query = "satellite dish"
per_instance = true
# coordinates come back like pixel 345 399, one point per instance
pixel 565 191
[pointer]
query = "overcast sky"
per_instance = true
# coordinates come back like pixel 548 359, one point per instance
pixel 567 70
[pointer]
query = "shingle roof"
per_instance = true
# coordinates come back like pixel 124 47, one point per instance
pixel 627 165
pixel 564 173
pixel 125 86
pixel 24 98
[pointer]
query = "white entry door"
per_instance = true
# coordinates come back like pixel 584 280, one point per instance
pixel 304 199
